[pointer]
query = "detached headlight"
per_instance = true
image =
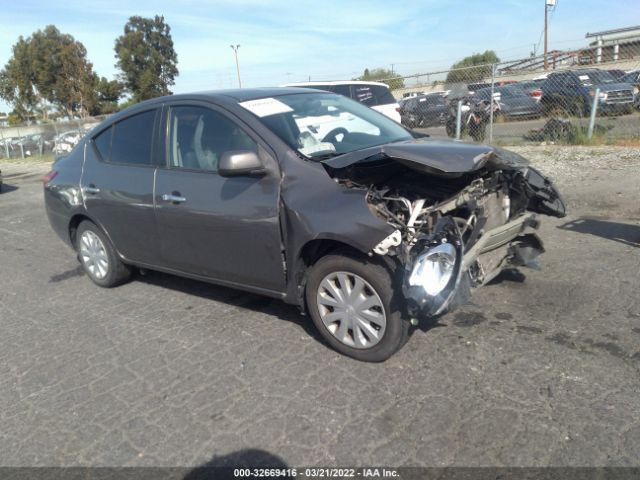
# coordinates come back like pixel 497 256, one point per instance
pixel 433 269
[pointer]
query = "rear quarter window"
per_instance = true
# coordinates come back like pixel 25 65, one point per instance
pixel 103 143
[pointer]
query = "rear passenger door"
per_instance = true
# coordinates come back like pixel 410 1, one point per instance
pixel 117 184
pixel 225 229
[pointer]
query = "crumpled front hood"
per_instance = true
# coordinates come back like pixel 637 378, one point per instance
pixel 444 157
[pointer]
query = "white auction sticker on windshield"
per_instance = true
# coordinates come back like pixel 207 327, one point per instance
pixel 264 107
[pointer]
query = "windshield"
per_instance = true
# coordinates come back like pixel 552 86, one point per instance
pixel 596 77
pixel 322 125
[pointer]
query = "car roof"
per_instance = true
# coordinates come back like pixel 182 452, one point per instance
pixel 235 95
pixel 337 82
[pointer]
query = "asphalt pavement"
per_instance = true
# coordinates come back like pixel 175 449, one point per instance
pixel 542 369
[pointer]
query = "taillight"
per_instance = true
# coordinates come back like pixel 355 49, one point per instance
pixel 49 176
pixel 398 109
pixel 536 93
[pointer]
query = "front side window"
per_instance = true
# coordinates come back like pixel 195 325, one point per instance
pixel 200 136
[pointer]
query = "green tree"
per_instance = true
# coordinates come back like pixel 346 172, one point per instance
pixel 48 68
pixel 108 93
pixel 480 64
pixel 17 82
pixel 146 57
pixel 382 75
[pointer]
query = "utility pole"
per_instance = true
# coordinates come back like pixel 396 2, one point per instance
pixel 547 4
pixel 235 51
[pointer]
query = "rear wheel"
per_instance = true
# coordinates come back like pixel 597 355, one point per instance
pixel 450 127
pixel 352 304
pixel 98 257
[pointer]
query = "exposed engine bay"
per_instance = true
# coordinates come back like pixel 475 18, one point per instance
pixel 454 230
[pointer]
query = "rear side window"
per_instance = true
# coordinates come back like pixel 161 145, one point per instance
pixel 128 141
pixel 342 90
pixel 373 95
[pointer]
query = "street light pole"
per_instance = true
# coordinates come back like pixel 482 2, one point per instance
pixel 547 4
pixel 235 51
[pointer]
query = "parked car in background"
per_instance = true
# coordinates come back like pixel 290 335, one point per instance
pixel 633 79
pixel 513 100
pixel 35 144
pixel 532 88
pixel 424 111
pixel 65 141
pixel 573 91
pixel 473 87
pixel 617 74
pixel 364 231
pixel 372 94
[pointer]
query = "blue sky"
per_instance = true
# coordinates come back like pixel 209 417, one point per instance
pixel 325 39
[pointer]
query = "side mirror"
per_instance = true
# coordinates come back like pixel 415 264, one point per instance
pixel 240 162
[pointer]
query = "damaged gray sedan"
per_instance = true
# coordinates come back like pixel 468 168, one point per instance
pixel 301 195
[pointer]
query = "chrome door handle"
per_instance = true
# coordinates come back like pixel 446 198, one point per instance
pixel 173 198
pixel 91 190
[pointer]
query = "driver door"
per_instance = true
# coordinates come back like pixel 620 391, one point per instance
pixel 225 229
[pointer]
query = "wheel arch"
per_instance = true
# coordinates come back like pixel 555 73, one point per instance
pixel 314 250
pixel 75 222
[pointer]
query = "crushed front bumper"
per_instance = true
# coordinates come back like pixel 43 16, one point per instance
pixel 510 244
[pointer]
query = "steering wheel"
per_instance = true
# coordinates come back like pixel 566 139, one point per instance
pixel 331 136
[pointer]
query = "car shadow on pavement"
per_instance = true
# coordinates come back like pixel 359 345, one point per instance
pixel 248 459
pixel 237 298
pixel 618 232
pixel 6 188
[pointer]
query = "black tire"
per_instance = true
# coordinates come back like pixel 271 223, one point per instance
pixel 450 127
pixel 477 132
pixel 379 278
pixel 116 272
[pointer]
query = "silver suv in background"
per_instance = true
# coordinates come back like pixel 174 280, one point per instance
pixel 372 94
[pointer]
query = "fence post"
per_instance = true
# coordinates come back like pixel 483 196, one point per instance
pixel 493 82
pixel 594 110
pixel 459 120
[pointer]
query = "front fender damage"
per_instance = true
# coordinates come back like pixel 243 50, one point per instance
pixel 454 230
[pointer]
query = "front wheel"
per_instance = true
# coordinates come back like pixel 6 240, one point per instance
pixel 353 305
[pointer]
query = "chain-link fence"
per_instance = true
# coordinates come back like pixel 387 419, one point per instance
pixel 37 139
pixel 575 97
pixel 575 100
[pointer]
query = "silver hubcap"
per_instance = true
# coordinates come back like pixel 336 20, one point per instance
pixel 93 255
pixel 351 310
